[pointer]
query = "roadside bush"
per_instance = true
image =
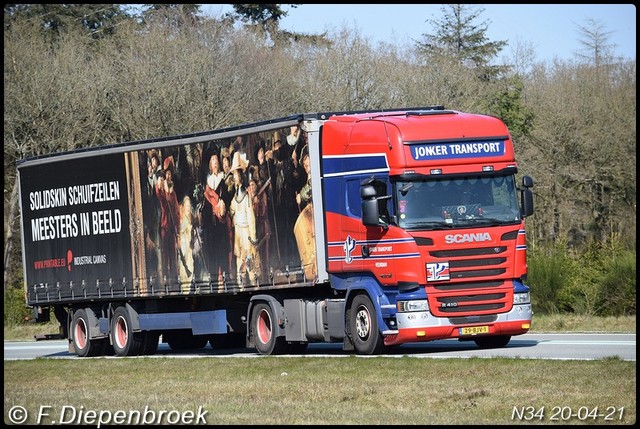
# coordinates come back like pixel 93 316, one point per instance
pixel 15 309
pixel 580 295
pixel 600 280
pixel 617 289
pixel 549 270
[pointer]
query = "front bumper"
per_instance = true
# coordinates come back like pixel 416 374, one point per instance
pixel 423 326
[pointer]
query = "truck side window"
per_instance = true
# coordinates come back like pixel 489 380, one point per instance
pixel 353 198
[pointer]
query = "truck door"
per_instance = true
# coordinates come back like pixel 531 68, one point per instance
pixel 352 228
pixel 378 247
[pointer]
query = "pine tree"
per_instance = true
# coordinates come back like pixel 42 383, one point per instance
pixel 457 36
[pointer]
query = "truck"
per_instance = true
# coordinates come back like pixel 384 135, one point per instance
pixel 371 228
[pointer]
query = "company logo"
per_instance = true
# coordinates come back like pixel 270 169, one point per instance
pixel 437 271
pixel 349 246
pixel 467 238
pixel 82 260
pixel 425 152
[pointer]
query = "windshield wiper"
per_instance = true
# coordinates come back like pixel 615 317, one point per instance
pixel 429 224
pixel 488 221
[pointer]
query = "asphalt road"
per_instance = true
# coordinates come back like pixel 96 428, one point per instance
pixel 569 346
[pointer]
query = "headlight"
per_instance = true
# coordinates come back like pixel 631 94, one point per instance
pixel 408 306
pixel 521 298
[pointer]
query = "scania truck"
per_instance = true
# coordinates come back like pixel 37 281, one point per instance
pixel 368 228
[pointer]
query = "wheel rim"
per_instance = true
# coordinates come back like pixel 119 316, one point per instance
pixel 363 323
pixel 80 334
pixel 122 332
pixel 264 329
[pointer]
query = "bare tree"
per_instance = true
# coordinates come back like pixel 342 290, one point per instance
pixel 595 43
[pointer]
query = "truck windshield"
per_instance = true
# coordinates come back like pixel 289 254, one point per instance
pixel 467 202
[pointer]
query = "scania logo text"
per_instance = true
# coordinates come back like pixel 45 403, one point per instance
pixel 466 238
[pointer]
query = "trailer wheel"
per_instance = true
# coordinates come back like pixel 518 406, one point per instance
pixel 363 326
pixel 263 320
pixel 150 341
pixel 84 345
pixel 296 348
pixel 125 342
pixel 231 340
pixel 492 342
pixel 183 339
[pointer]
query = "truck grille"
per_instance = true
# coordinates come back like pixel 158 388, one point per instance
pixel 469 292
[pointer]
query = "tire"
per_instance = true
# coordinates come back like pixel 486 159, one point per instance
pixel 150 341
pixel 263 324
pixel 296 348
pixel 185 340
pixel 363 326
pixel 83 345
pixel 232 340
pixel 107 348
pixel 125 342
pixel 492 342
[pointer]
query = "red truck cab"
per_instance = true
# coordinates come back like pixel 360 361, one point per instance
pixel 430 223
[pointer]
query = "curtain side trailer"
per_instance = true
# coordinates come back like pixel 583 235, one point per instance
pixel 368 228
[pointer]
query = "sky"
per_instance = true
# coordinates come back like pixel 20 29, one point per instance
pixel 551 30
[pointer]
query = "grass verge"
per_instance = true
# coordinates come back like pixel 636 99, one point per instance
pixel 352 390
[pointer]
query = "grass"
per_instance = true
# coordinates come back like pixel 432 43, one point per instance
pixel 580 323
pixel 352 390
pixel 305 390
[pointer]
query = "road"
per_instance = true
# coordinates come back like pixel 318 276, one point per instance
pixel 569 346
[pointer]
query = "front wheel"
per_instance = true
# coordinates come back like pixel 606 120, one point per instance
pixel 363 326
pixel 492 342
pixel 264 331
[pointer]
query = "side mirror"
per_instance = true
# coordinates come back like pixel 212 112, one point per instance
pixel 371 215
pixel 367 192
pixel 526 202
pixel 526 197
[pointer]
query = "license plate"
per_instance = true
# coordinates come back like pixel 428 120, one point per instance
pixel 473 330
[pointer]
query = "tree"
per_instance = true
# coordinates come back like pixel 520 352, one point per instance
pixel 595 42
pixel 506 102
pixel 176 14
pixel 95 19
pixel 266 19
pixel 459 37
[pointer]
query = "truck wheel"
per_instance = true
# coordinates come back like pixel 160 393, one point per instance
pixel 492 342
pixel 263 320
pixel 296 348
pixel 231 340
pixel 107 348
pixel 125 341
pixel 84 345
pixel 185 340
pixel 363 326
pixel 149 343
